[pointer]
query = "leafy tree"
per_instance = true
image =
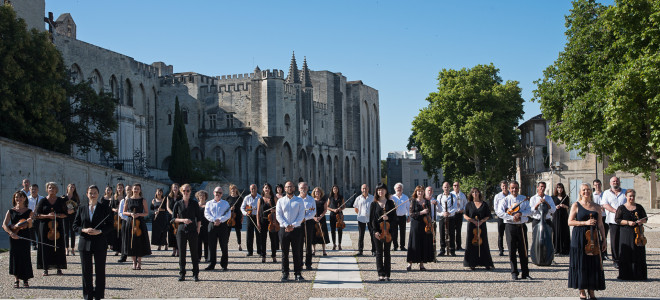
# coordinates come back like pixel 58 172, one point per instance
pixel 468 128
pixel 31 86
pixel 383 171
pixel 180 168
pixel 602 94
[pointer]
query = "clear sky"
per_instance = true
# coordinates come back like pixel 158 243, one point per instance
pixel 396 47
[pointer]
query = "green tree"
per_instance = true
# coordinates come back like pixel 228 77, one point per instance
pixel 602 94
pixel 180 169
pixel 468 128
pixel 32 74
pixel 207 169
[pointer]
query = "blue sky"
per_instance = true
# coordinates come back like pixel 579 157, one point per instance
pixel 395 47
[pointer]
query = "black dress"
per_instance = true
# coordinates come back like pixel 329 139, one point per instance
pixel 560 231
pixel 334 204
pixel 320 208
pixel 203 238
pixel 477 255
pixel 159 225
pixel 420 243
pixel 136 245
pixel 584 271
pixel 632 258
pixel 171 237
pixel 47 256
pixel 20 260
pixel 114 236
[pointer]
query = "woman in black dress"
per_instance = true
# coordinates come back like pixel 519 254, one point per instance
pixel 585 271
pixel 561 232
pixel 51 211
pixel 203 238
pixel 137 244
pixel 235 201
pixel 477 212
pixel 265 207
pixel 172 197
pixel 420 243
pixel 107 196
pixel 279 191
pixel 335 206
pixel 114 236
pixel 160 221
pixel 20 262
pixel 381 214
pixel 321 224
pixel 632 256
pixel 72 203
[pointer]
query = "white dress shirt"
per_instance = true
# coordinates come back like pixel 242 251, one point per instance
pixel 363 204
pixel 452 204
pixel 310 207
pixel 462 200
pixel 598 199
pixel 121 210
pixel 498 199
pixel 251 201
pixel 614 200
pixel 290 211
pixel 509 202
pixel 536 214
pixel 401 210
pixel 32 202
pixel 217 210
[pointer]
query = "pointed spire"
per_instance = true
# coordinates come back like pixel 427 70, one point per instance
pixel 257 72
pixel 293 71
pixel 305 78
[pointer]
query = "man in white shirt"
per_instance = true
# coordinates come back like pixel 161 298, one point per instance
pixel 611 200
pixel 124 219
pixel 500 222
pixel 458 218
pixel 290 213
pixel 249 209
pixel 217 212
pixel 447 208
pixel 361 205
pixel 402 215
pixel 516 231
pixel 598 199
pixel 33 200
pixel 541 199
pixel 309 230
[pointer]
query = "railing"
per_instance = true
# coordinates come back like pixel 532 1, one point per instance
pixel 136 165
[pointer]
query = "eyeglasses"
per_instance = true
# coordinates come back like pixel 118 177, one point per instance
pixel 218 193
pixel 185 191
pixel 455 184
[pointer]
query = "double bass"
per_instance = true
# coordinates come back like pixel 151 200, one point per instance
pixel 542 251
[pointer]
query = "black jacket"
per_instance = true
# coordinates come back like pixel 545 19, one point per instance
pixel 101 220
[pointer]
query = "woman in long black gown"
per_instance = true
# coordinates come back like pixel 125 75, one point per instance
pixel 382 210
pixel 72 203
pixel 335 202
pixel 420 243
pixel 160 221
pixel 203 237
pixel 137 245
pixel 561 234
pixel 477 212
pixel 48 209
pixel 265 207
pixel 632 257
pixel 20 261
pixel 114 236
pixel 321 209
pixel 235 201
pixel 585 272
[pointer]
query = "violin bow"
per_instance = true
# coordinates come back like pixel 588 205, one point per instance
pixel 55 222
pixel 389 211
pixel 478 236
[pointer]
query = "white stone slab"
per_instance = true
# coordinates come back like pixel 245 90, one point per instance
pixel 338 272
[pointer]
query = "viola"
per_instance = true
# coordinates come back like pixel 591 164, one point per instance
pixel 516 208
pixel 592 247
pixel 136 228
pixel 232 219
pixel 640 239
pixel 340 220
pixel 22 224
pixel 476 240
pixel 175 226
pixel 428 228
pixel 53 234
pixel 116 222
pixel 319 232
pixel 385 232
pixel 248 209
pixel 273 225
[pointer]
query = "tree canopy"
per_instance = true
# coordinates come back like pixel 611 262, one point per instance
pixel 468 128
pixel 601 95
pixel 180 169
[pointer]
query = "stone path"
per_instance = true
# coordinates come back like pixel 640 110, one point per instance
pixel 338 272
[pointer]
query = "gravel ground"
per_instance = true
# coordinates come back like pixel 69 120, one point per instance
pixel 248 278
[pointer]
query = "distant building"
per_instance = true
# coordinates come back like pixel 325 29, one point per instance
pixel 406 167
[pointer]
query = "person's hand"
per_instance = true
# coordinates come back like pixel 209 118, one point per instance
pixel 216 223
pixel 13 236
pixel 603 246
pixel 385 217
pixel 434 202
pixel 425 211
pixel 70 211
pixel 591 222
pixel 445 214
pixel 377 235
pixel 516 218
pixel 187 221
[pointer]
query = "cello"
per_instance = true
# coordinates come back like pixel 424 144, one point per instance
pixel 542 251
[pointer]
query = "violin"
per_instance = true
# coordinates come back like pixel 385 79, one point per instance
pixel 232 219
pixel 116 222
pixel 53 234
pixel 476 240
pixel 340 220
pixel 592 247
pixel 22 224
pixel 640 239
pixel 273 225
pixel 175 225
pixel 427 221
pixel 319 232
pixel 516 208
pixel 136 226
pixel 248 209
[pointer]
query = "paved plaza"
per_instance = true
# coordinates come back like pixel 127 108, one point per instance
pixel 340 275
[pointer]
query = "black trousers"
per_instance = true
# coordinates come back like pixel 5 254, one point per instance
pixel 458 226
pixel 383 258
pixel 69 234
pixel 516 241
pixel 451 230
pixel 361 230
pixel 291 240
pixel 274 239
pixel 607 229
pixel 89 292
pixel 187 238
pixel 251 232
pixel 203 242
pixel 238 234
pixel 309 240
pixel 500 234
pixel 218 234
pixel 399 226
pixel 335 231
pixel 614 242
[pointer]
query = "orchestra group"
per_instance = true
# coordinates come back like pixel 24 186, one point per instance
pixel 294 220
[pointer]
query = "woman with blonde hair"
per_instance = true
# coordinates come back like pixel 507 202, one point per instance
pixel 321 225
pixel 203 240
pixel 420 243
pixel 51 211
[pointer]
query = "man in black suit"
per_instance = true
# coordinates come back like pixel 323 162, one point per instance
pixel 91 221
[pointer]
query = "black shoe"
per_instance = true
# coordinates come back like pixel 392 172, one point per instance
pixel 501 253
pixel 381 279
pixel 263 259
pixel 359 253
pixel 526 277
pixel 224 269
pixel 249 254
pixel 442 253
pixel 472 268
pixel 309 268
pixel 209 268
pixel 452 253
pixel 285 277
pixel 373 253
pixel 403 248
pixel 121 260
pixel 196 278
pixel 459 248
pixel 616 265
pixel 182 278
pixel 300 278
pixel 408 268
pixel 514 276
pixel 388 279
pixel 605 257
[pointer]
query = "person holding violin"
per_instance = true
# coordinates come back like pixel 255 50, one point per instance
pixel 17 221
pixel 381 213
pixel 585 271
pixel 125 236
pixel 203 239
pixel 612 198
pixel 309 224
pixel 420 241
pixel 172 197
pixel 290 213
pixel 361 205
pixel 235 201
pixel 114 236
pixel 160 221
pixel 51 212
pixel 500 222
pixel 72 203
pixel 189 219
pixel 449 206
pixel 336 206
pixel 477 250
pixel 249 209
pixel 217 212
pixel 514 209
pixel 402 212
pixel 632 243
pixel 268 223
pixel 93 221
pixel 137 243
pixel 321 227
